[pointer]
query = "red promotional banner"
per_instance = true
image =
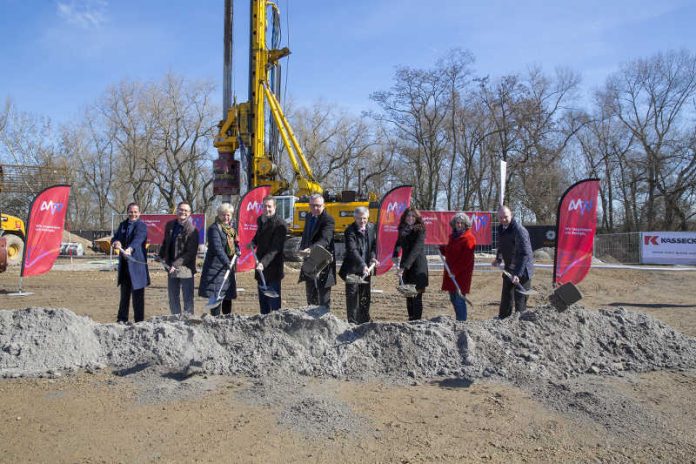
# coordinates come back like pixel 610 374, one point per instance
pixel 250 208
pixel 391 207
pixel 437 227
pixel 155 226
pixel 45 230
pixel 576 227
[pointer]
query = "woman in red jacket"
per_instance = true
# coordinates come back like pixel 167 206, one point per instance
pixel 459 254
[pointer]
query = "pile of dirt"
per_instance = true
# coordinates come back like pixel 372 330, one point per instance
pixel 537 346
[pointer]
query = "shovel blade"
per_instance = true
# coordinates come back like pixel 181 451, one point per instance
pixel 270 293
pixel 564 296
pixel 214 304
pixel 523 291
pixel 355 279
pixel 409 291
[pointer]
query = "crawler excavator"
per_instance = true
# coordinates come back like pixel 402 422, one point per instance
pixel 252 129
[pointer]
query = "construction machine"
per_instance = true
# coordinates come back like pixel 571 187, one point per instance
pixel 21 180
pixel 252 129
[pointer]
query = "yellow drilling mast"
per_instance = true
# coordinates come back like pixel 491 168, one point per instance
pixel 244 130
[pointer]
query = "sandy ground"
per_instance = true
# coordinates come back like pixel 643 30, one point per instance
pixel 102 417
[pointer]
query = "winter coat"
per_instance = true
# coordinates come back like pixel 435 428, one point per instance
pixel 322 234
pixel 459 254
pixel 137 267
pixel 360 250
pixel 413 262
pixel 216 264
pixel 515 250
pixel 269 241
pixel 185 246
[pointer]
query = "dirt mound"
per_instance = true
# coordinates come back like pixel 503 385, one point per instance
pixel 539 345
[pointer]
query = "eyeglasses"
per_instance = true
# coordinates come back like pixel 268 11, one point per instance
pixel 316 205
pixel 184 210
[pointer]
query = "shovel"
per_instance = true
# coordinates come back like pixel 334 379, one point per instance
pixel 518 286
pixel 409 291
pixel 269 292
pixel 357 279
pixel 219 297
pixel 449 272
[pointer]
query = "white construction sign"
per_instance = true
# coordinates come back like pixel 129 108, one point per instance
pixel 668 248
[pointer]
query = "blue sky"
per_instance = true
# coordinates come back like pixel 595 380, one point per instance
pixel 58 55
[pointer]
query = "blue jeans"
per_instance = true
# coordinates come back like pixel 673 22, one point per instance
pixel 268 304
pixel 459 304
pixel 176 287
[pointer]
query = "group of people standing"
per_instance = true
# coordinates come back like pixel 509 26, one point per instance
pixel 178 253
pixel 514 254
pixel 218 283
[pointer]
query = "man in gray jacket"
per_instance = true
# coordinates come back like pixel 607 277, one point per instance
pixel 178 252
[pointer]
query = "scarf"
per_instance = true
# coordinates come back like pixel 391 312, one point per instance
pixel 230 235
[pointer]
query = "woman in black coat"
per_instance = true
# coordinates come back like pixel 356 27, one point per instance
pixel 413 266
pixel 223 244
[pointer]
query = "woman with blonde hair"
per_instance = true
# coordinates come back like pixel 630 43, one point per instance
pixel 459 257
pixel 223 244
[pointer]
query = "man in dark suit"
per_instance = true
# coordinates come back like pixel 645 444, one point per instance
pixel 133 276
pixel 319 230
pixel 515 250
pixel 361 252
pixel 269 241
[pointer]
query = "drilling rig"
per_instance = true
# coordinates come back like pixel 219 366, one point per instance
pixel 251 130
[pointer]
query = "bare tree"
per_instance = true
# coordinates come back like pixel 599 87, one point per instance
pixel 653 98
pixel 417 107
pixel 181 116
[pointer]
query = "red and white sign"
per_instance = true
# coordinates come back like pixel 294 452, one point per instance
pixel 438 229
pixel 155 226
pixel 391 208
pixel 250 208
pixel 576 227
pixel 668 248
pixel 45 230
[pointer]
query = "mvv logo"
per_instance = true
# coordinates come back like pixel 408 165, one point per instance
pixel 254 206
pixel 51 206
pixel 582 205
pixel 396 207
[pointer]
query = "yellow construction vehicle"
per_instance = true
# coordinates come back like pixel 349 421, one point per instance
pixel 11 240
pixel 244 130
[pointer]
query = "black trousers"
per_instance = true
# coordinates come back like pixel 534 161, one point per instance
pixel 226 306
pixel 317 296
pixel 358 303
pixel 415 307
pixel 124 303
pixel 508 295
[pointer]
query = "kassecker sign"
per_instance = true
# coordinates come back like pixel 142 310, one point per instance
pixel 668 248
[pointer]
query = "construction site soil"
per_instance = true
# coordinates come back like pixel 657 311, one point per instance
pixel 610 380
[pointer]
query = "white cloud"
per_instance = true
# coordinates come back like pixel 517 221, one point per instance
pixel 83 13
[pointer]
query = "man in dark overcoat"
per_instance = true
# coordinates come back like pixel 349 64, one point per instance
pixel 269 241
pixel 515 251
pixel 319 230
pixel 361 253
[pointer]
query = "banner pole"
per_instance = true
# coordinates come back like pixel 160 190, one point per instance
pixel 503 176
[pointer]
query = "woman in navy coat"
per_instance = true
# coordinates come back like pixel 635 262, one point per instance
pixel 133 275
pixel 223 244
